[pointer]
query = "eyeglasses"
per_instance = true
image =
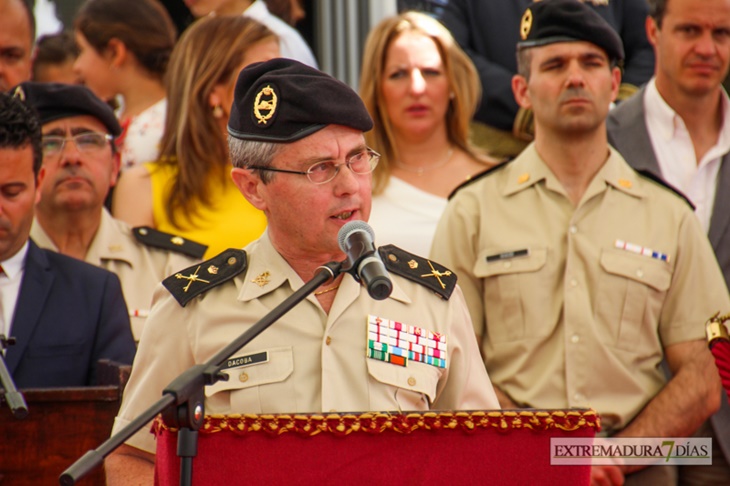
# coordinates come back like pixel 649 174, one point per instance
pixel 323 172
pixel 87 142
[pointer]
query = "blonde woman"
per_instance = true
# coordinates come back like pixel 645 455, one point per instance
pixel 189 191
pixel 421 90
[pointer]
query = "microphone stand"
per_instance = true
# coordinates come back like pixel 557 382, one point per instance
pixel 15 400
pixel 186 392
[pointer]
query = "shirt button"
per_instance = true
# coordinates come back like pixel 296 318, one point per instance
pixel 573 230
pixel 578 397
pixel 328 340
pixel 507 264
pixel 412 381
pixel 574 338
pixel 573 282
pixel 640 273
pixel 243 377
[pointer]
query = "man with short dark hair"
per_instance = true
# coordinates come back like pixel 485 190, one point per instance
pixel 65 315
pixel 678 128
pixel 297 145
pixel 79 167
pixel 17 35
pixel 582 275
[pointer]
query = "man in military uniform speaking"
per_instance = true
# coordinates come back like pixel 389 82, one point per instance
pixel 296 139
pixel 582 275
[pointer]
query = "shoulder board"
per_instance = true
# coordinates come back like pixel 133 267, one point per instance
pixel 651 176
pixel 159 239
pixel 194 280
pixel 480 175
pixel 420 270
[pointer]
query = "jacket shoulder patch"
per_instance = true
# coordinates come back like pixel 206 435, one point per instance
pixel 658 180
pixel 197 279
pixel 418 269
pixel 480 175
pixel 166 241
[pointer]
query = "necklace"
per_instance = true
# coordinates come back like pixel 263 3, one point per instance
pixel 327 290
pixel 420 169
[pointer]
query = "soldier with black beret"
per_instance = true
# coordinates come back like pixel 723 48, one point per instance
pixel 299 155
pixel 80 166
pixel 582 275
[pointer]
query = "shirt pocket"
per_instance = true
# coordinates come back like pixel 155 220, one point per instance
pixel 411 387
pixel 511 287
pixel 630 296
pixel 263 387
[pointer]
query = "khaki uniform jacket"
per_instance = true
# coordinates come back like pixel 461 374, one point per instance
pixel 566 318
pixel 308 361
pixel 140 268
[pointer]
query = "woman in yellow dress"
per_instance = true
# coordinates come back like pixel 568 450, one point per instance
pixel 189 191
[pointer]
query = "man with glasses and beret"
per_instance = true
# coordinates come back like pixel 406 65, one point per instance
pixel 299 154
pixel 581 274
pixel 79 167
pixel 65 315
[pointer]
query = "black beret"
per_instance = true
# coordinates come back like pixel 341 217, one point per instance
pixel 283 100
pixel 551 21
pixel 53 101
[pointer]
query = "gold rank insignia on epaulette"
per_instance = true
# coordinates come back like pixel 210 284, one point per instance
pixel 159 239
pixel 420 270
pixel 193 281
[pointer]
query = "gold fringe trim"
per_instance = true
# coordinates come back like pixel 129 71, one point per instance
pixel 376 423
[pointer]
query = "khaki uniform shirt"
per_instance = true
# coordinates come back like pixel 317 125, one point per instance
pixel 566 318
pixel 308 361
pixel 139 267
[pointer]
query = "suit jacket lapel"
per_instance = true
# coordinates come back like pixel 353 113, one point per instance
pixel 34 290
pixel 631 136
pixel 721 208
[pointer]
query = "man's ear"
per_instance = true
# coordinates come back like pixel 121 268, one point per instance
pixel 38 181
pixel 251 186
pixel 652 30
pixel 519 89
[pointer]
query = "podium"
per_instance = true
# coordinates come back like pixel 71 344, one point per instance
pixel 510 447
pixel 62 424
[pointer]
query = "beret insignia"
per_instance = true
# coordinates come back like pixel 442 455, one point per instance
pixel 526 24
pixel 165 241
pixel 420 270
pixel 197 279
pixel 264 106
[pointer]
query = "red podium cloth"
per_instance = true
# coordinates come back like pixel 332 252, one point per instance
pixel 721 352
pixel 499 447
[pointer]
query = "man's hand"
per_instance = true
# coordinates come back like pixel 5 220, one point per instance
pixel 606 476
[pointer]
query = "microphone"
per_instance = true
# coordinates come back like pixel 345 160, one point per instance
pixel 356 241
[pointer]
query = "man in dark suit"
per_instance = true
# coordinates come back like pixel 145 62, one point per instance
pixel 678 128
pixel 64 314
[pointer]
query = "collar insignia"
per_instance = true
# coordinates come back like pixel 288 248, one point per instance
pixel 262 280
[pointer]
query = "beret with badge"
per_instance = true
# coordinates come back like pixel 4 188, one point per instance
pixel 54 101
pixel 549 21
pixel 283 100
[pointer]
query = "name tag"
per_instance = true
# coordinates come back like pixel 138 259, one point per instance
pixel 507 255
pixel 251 359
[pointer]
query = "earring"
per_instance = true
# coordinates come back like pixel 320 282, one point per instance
pixel 218 111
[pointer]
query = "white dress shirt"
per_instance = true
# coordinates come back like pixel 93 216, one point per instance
pixel 291 43
pixel 10 287
pixel 676 155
